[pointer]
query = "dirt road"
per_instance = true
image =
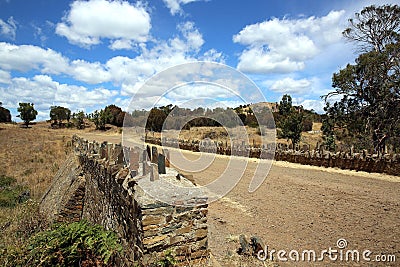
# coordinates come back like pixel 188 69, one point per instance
pixel 305 208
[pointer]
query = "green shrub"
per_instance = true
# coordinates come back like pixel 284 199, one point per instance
pixel 6 181
pixel 10 192
pixel 168 260
pixel 75 244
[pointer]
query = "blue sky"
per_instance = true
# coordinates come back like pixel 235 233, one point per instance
pixel 85 55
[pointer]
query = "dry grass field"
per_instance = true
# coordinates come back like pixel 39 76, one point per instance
pixel 32 155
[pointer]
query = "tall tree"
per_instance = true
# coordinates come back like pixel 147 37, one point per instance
pixel 27 112
pixel 5 115
pixel 291 120
pixel 369 89
pixel 374 27
pixel 156 119
pixel 79 120
pixel 114 113
pixel 100 118
pixel 292 126
pixel 58 114
pixel 285 105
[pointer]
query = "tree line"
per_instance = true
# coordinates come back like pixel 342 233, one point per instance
pixel 290 120
pixel 62 117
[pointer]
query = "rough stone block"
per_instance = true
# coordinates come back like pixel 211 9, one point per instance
pixel 167 157
pixel 161 164
pixel 148 150
pixel 183 230
pixel 176 239
pixel 153 240
pixel 154 154
pixel 152 219
pixel 200 233
pixel 154 176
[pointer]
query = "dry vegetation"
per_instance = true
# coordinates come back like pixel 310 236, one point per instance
pixel 220 134
pixel 32 155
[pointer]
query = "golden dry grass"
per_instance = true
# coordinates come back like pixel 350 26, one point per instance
pixel 32 155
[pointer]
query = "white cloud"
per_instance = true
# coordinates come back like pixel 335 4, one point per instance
pixel 8 28
pixel 283 45
pixel 5 77
pixel 257 60
pixel 39 34
pixel 120 70
pixel 28 57
pixel 194 39
pixel 127 73
pixel 316 105
pixel 87 22
pixel 131 73
pixel 121 44
pixel 44 92
pixel 92 73
pixel 175 6
pixel 289 85
pixel 196 92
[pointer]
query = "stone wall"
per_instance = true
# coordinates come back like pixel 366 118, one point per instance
pixel 97 185
pixel 63 200
pixel 387 163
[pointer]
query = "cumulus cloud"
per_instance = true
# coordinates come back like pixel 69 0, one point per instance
pixel 284 45
pixel 289 85
pixel 194 39
pixel 121 44
pixel 131 73
pixel 29 57
pixel 316 105
pixel 89 72
pixel 87 22
pixel 127 73
pixel 8 28
pixel 120 70
pixel 44 92
pixel 175 6
pixel 5 77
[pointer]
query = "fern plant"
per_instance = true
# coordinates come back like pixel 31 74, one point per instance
pixel 75 244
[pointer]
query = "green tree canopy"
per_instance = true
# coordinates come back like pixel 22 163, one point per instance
pixel 5 115
pixel 291 121
pixel 58 114
pixel 27 112
pixel 285 105
pixel 79 120
pixel 369 89
pixel 101 118
pixel 116 115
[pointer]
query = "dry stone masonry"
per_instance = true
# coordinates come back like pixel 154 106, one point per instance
pixel 97 184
